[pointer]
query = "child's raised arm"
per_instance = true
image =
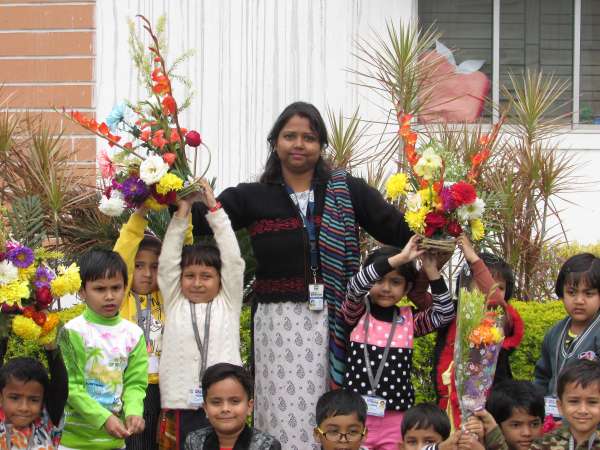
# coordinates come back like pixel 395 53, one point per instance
pixel 130 236
pixel 58 390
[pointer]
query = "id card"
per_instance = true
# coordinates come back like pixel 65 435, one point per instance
pixel 315 297
pixel 375 405
pixel 550 407
pixel 152 364
pixel 195 399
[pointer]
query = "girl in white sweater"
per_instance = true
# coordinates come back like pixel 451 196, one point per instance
pixel 202 289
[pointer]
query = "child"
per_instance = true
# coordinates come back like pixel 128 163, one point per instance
pixel 518 408
pixel 31 405
pixel 578 335
pixel 144 305
pixel 424 425
pixel 341 417
pixel 379 363
pixel 202 288
pixel 228 401
pixel 106 360
pixel 475 275
pixel 578 391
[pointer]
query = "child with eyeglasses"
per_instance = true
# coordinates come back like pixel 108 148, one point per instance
pixel 341 416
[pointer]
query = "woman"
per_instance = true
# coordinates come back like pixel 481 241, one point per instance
pixel 303 222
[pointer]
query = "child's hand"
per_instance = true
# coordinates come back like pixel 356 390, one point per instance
pixel 409 252
pixel 451 443
pixel 207 194
pixel 487 420
pixel 135 424
pixel 467 248
pixel 115 427
pixel 474 426
pixel 430 265
pixel 469 441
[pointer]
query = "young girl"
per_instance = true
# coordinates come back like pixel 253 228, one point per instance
pixel 379 360
pixel 202 290
pixel 475 274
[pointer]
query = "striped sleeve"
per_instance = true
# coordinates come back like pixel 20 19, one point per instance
pixel 441 312
pixel 359 285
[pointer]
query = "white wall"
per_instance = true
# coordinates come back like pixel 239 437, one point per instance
pixel 256 56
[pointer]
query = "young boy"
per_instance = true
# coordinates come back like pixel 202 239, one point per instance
pixel 106 361
pixel 31 405
pixel 578 390
pixel 424 425
pixel 228 401
pixel 518 408
pixel 341 416
pixel 578 335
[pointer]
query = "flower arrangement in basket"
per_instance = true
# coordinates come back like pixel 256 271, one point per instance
pixel 479 336
pixel 439 205
pixel 151 168
pixel 28 287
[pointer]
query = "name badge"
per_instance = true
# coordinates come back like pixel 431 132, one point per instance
pixel 195 399
pixel 152 364
pixel 550 407
pixel 315 297
pixel 375 405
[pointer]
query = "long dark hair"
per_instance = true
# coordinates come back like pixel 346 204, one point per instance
pixel 272 172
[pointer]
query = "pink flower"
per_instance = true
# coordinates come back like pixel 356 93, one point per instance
pixel 107 168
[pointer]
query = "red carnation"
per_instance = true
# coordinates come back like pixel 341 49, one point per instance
pixel 43 297
pixel 193 138
pixel 39 317
pixel 463 193
pixel 29 311
pixel 454 228
pixel 434 222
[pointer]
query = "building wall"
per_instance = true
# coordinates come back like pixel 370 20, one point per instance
pixel 47 59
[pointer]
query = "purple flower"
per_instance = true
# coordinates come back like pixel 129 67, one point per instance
pixel 43 277
pixel 20 256
pixel 447 200
pixel 134 191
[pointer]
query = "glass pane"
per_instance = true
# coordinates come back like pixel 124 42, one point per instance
pixel 589 100
pixel 537 34
pixel 466 27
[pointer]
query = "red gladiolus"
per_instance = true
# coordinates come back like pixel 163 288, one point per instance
pixel 454 228
pixel 162 86
pixel 158 139
pixel 169 158
pixel 463 193
pixel 43 296
pixel 103 129
pixel 169 105
pixel 193 138
pixel 145 134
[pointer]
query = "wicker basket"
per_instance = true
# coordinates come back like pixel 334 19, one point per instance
pixel 442 245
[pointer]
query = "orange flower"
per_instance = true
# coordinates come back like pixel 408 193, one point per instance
pixel 412 138
pixel 103 129
pixel 158 139
pixel 112 139
pixel 169 158
pixel 163 85
pixel 146 134
pixel 169 106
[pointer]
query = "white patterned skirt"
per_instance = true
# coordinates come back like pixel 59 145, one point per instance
pixel 290 357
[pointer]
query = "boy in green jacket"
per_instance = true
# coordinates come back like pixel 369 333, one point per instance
pixel 106 360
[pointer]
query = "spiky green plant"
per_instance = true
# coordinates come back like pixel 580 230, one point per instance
pixel 346 140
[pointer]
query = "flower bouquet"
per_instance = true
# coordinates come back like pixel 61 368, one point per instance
pixel 479 336
pixel 436 204
pixel 151 168
pixel 28 287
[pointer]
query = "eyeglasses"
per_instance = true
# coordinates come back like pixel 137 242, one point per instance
pixel 336 436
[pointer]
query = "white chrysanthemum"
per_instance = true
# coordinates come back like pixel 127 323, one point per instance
pixel 152 169
pixel 8 272
pixel 413 201
pixel 113 206
pixel 472 211
pixel 428 165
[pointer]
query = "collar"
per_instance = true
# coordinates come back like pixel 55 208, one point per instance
pixel 93 317
pixel 242 442
pixel 384 314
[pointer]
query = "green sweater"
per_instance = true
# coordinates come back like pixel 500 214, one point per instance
pixel 107 364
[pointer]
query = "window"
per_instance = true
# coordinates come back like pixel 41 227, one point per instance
pixel 555 36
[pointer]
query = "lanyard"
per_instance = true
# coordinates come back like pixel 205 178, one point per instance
pixel 9 438
pixel 146 325
pixel 375 380
pixel 202 347
pixel 591 442
pixel 308 220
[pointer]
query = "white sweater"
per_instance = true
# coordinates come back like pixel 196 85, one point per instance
pixel 180 358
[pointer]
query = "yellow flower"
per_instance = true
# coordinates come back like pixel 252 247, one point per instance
pixel 26 328
pixel 48 338
pixel 169 182
pixel 396 186
pixel 152 204
pixel 477 229
pixel 27 273
pixel 67 282
pixel 12 293
pixel 416 219
pixel 429 197
pixel 428 165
